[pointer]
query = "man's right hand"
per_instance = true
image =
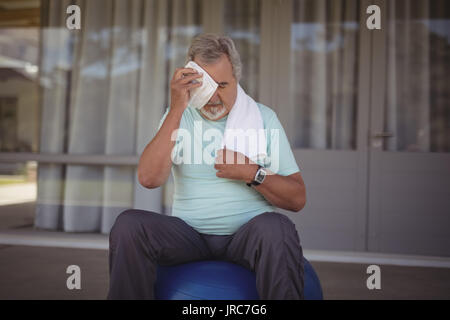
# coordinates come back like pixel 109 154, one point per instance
pixel 180 86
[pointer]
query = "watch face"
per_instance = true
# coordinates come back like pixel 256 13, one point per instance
pixel 260 175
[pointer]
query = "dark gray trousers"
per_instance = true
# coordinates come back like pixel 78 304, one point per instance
pixel 139 240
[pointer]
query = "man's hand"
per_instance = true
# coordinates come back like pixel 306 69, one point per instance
pixel 286 192
pixel 234 165
pixel 180 85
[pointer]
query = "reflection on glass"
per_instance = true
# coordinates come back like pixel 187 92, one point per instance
pixel 242 20
pixel 418 76
pixel 18 192
pixel 19 100
pixel 324 52
pixel 78 198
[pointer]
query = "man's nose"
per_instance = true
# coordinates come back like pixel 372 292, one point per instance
pixel 215 97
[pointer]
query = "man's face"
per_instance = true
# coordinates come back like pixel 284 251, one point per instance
pixel 224 98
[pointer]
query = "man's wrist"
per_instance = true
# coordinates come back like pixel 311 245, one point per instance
pixel 253 168
pixel 176 112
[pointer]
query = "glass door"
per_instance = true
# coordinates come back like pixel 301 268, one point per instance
pixel 409 205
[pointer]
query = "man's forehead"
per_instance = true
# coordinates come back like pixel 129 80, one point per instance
pixel 220 71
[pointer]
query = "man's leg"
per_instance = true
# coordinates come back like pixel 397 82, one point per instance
pixel 269 245
pixel 138 241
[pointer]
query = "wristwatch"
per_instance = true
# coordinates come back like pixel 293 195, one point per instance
pixel 259 176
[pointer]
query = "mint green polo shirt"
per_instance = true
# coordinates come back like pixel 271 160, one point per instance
pixel 213 205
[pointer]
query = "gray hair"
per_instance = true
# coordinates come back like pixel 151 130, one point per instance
pixel 209 47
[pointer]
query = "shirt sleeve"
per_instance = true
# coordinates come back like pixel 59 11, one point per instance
pixel 163 118
pixel 176 147
pixel 280 158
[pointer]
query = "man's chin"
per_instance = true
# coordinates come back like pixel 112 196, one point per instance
pixel 209 106
pixel 206 112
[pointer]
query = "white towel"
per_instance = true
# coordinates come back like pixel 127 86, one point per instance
pixel 201 95
pixel 244 130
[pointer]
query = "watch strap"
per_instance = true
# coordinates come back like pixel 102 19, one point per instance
pixel 254 182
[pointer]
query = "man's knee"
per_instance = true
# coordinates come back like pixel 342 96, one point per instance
pixel 272 227
pixel 130 222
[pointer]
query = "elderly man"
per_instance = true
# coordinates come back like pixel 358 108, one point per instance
pixel 222 210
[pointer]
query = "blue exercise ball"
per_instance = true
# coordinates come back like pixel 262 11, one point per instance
pixel 312 290
pixel 219 280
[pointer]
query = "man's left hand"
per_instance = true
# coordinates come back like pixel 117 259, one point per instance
pixel 234 165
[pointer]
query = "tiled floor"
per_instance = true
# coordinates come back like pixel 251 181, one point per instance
pixel 40 273
pixel 348 281
pixel 28 272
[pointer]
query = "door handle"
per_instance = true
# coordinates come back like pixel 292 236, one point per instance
pixel 383 135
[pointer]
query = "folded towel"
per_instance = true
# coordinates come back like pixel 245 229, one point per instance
pixel 200 96
pixel 244 130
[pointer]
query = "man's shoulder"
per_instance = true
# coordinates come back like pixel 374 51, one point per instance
pixel 267 114
pixel 186 110
pixel 188 113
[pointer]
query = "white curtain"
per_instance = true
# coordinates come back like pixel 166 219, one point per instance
pixel 323 84
pixel 417 76
pixel 105 88
pixel 56 63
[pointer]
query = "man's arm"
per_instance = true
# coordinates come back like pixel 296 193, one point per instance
pixel 155 161
pixel 286 192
